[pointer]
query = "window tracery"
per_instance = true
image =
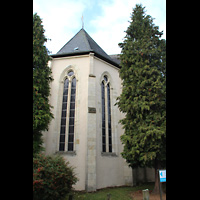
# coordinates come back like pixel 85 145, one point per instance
pixel 106 115
pixel 68 113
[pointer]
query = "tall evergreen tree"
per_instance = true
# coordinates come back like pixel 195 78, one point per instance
pixel 143 98
pixel 41 88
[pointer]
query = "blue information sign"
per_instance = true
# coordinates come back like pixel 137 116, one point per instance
pixel 162 175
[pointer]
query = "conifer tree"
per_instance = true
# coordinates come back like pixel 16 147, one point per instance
pixel 41 88
pixel 143 97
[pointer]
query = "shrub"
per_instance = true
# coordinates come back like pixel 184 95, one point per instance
pixel 52 177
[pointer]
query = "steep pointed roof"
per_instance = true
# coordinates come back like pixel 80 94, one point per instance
pixel 82 43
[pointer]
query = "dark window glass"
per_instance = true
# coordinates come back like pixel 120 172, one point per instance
pixel 106 121
pixel 72 106
pixel 72 113
pixel 104 132
pixel 64 113
pixel 62 146
pixel 71 121
pixel 64 106
pixel 71 138
pixel 63 116
pixel 73 91
pixel 110 148
pixel 72 98
pixel 70 73
pixel 62 138
pixel 70 146
pixel 103 117
pixel 103 123
pixel 74 83
pixel 63 121
pixel 104 148
pixel 71 116
pixel 71 129
pixel 104 140
pixel 62 131
pixel 109 119
pixel 66 84
pixel 65 92
pixel 64 98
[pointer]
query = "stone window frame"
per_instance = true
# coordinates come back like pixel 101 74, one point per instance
pixel 63 77
pixel 106 151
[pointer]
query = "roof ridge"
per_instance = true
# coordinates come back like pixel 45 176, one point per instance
pixel 88 36
pixel 82 42
pixel 69 41
pixel 87 39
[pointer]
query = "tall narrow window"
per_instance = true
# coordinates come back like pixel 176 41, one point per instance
pixel 72 116
pixel 103 118
pixel 106 116
pixel 64 115
pixel 68 113
pixel 109 118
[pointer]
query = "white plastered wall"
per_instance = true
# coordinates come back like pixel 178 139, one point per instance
pixel 60 67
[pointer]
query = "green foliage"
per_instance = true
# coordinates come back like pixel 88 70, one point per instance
pixel 143 98
pixel 41 80
pixel 116 193
pixel 52 177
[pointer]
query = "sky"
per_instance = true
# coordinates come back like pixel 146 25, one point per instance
pixel 104 20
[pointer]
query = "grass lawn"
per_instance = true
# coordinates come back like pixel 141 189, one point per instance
pixel 119 193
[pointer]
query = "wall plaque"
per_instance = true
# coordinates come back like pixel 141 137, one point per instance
pixel 91 110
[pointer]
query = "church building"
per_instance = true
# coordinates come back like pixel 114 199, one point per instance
pixel 85 130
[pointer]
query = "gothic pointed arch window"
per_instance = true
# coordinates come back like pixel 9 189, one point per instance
pixel 106 115
pixel 68 113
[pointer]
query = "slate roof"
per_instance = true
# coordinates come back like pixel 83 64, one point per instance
pixel 116 58
pixel 82 43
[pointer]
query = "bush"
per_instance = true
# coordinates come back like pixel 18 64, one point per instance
pixel 52 177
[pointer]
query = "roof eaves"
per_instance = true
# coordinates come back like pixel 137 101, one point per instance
pixel 84 53
pixel 107 60
pixel 68 42
pixel 70 54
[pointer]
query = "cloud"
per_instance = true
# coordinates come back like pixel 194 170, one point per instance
pixel 111 25
pixel 114 21
pixel 60 19
pixel 105 20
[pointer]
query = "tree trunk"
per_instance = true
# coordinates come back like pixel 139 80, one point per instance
pixel 145 174
pixel 156 186
pixel 134 176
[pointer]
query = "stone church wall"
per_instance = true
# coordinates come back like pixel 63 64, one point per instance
pixel 111 168
pixel 60 67
pixel 95 169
